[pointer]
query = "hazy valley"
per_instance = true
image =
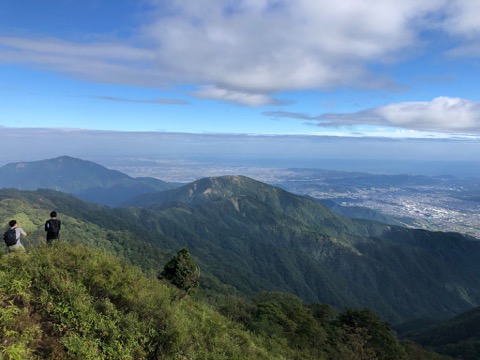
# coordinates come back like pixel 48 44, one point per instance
pixel 442 203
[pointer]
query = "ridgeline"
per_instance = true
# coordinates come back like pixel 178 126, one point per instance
pixel 282 277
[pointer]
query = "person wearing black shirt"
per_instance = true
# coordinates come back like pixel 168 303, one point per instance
pixel 52 227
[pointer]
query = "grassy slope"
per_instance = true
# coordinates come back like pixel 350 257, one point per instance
pixel 31 210
pixel 68 301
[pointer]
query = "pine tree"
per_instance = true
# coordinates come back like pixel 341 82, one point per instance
pixel 182 271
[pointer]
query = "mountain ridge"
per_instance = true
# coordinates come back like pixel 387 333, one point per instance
pixel 352 259
pixel 256 237
pixel 85 179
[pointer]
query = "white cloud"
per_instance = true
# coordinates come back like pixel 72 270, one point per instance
pixel 241 46
pixel 246 50
pixel 462 23
pixel 162 101
pixel 462 18
pixel 442 114
pixel 109 62
pixel 284 45
pixel 239 97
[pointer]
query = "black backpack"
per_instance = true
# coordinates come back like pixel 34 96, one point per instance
pixel 10 237
pixel 53 226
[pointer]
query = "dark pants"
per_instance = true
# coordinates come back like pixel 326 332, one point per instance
pixel 51 237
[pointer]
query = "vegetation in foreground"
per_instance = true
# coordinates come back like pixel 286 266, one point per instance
pixel 68 301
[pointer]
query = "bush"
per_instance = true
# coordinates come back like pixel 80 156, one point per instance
pixel 182 271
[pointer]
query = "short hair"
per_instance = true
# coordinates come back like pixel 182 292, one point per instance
pixel 53 214
pixel 12 223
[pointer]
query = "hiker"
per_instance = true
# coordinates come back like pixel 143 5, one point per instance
pixel 12 237
pixel 52 227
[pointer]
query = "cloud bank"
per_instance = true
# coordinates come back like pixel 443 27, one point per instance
pixel 247 51
pixel 223 150
pixel 442 114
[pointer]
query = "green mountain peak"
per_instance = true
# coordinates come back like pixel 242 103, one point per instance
pixel 84 179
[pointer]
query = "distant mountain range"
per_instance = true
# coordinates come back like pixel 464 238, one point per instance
pixel 85 179
pixel 256 237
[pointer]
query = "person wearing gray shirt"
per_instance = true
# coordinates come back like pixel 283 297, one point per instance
pixel 19 232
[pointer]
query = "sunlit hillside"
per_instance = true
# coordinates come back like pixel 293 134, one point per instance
pixel 67 301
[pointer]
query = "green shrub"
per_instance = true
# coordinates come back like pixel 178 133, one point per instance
pixel 182 271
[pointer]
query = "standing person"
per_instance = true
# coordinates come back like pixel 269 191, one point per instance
pixel 52 227
pixel 12 237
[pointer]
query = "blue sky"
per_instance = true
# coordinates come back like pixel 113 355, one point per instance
pixel 351 68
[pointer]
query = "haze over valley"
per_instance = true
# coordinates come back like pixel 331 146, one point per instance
pixel 435 202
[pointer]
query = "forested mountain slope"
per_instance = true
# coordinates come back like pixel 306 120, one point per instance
pixel 68 301
pixel 256 236
pixel 458 337
pixel 84 179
